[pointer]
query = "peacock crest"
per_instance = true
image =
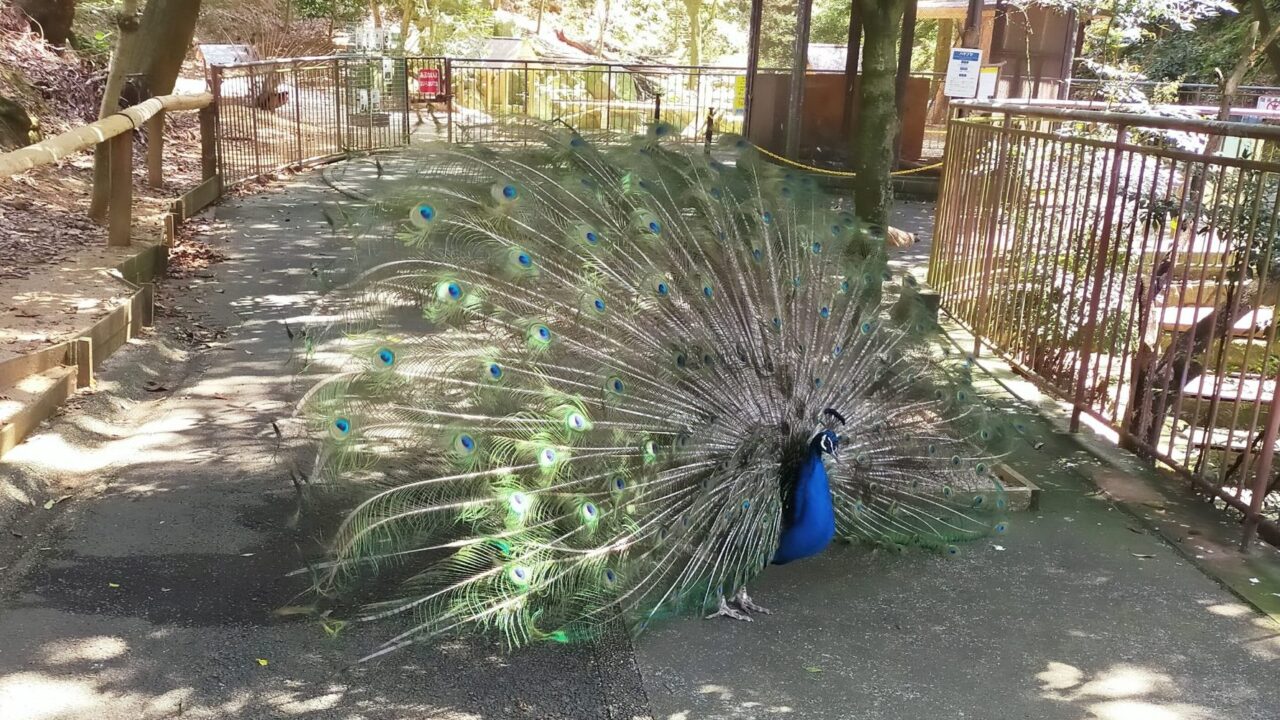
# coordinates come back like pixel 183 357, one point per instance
pixel 580 380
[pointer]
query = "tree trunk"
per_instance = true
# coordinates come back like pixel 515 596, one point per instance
pixel 694 10
pixel 604 25
pixel 1263 18
pixel 906 46
pixel 941 56
pixel 121 60
pixel 376 12
pixel 408 11
pixel 873 149
pixel 166 32
pixel 50 18
pixel 853 52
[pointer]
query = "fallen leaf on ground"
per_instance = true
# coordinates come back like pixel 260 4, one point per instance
pixel 1144 556
pixel 263 663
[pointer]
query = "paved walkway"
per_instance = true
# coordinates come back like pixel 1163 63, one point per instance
pixel 149 592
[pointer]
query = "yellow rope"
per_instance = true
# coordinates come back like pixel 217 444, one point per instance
pixel 840 173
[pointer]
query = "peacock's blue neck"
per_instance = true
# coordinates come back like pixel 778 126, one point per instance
pixel 811 524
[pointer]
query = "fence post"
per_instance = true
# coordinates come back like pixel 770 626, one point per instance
pixel 988 260
pixel 210 152
pixel 608 95
pixel 1262 471
pixel 155 150
pixel 448 85
pixel 1101 249
pixel 297 112
pixel 657 107
pixel 208 141
pixel 120 202
pixel 338 99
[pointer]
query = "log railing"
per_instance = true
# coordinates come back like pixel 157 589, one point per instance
pixel 117 132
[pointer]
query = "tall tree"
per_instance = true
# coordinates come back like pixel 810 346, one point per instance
pixel 873 139
pixel 693 8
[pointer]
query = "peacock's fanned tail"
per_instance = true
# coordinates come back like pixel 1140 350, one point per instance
pixel 577 377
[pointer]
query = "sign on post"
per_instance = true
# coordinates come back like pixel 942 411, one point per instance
pixel 428 81
pixel 988 78
pixel 1269 102
pixel 962 73
pixel 740 92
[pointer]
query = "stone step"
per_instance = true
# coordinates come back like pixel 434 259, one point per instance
pixel 1182 318
pixel 32 399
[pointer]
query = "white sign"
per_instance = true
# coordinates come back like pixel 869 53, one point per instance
pixel 1269 102
pixel 962 73
pixel 987 80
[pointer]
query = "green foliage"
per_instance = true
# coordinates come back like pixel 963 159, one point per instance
pixel 831 25
pixel 339 10
pixel 1217 43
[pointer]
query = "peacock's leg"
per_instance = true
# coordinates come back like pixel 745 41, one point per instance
pixel 744 601
pixel 727 610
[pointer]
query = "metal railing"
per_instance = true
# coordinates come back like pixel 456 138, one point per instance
pixel 1200 94
pixel 274 114
pixel 1128 264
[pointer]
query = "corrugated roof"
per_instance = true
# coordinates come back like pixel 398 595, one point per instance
pixel 509 48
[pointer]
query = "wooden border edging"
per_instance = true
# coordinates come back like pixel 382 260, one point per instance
pixel 81 355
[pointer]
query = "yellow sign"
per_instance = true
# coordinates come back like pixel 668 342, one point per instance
pixel 740 92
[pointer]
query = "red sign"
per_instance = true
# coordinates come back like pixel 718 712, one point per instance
pixel 429 81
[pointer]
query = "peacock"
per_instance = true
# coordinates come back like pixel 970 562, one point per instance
pixel 582 380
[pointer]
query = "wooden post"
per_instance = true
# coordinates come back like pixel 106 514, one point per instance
pixel 120 205
pixel 905 47
pixel 208 142
pixel 155 150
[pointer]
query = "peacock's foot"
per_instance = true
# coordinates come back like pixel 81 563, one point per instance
pixel 744 601
pixel 727 610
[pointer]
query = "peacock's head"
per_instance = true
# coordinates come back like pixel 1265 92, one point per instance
pixel 827 440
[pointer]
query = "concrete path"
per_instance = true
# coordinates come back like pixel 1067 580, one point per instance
pixel 149 592
pixel 151 595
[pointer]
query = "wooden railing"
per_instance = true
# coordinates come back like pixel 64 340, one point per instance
pixel 117 132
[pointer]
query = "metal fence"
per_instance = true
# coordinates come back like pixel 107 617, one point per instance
pixel 477 95
pixel 1128 264
pixel 280 113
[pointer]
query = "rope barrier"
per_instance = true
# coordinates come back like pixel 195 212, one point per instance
pixel 841 173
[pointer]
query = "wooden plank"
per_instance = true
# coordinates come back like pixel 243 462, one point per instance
pixel 14 369
pixel 201 196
